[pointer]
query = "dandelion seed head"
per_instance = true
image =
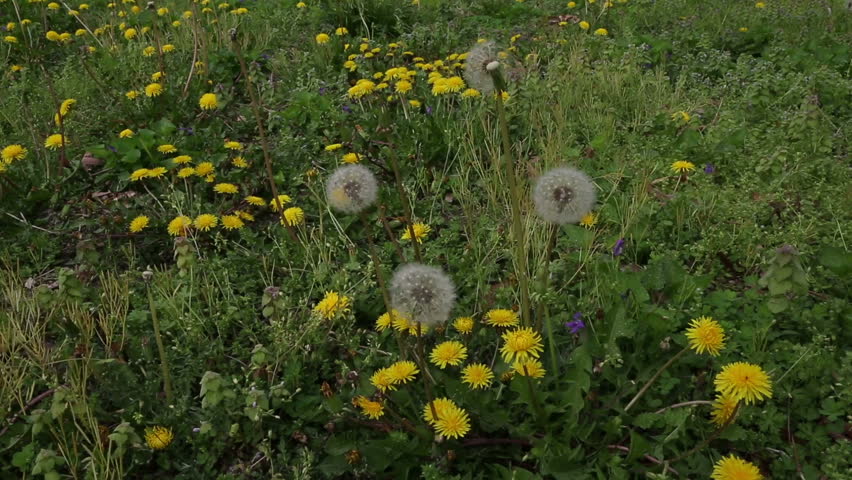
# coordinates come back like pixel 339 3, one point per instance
pixel 564 195
pixel 480 62
pixel 422 293
pixel 351 188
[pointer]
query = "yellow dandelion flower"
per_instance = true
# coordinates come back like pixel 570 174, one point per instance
pixel 333 147
pixel 156 172
pixel 384 321
pixel 723 408
pixel 332 304
pixel 126 133
pixel 55 141
pixel 168 48
pixel 232 145
pixel 130 33
pixel 402 371
pixel 139 174
pixel 351 158
pixel 158 438
pixel 13 152
pixel 205 221
pixel 65 107
pixel 182 159
pixel 282 199
pixel 153 90
pixel 369 408
pixel 232 222
pixel 705 334
pixel 225 188
pixel 322 38
pixel 448 353
pixel 471 93
pixel 442 406
pixel 179 226
pixel 420 232
pixel 403 86
pixel 744 381
pixel 167 148
pixel 341 31
pixel 529 368
pixel 477 375
pixel 602 32
pixel 453 423
pixel 733 468
pixel 208 101
pixel 132 94
pixel 244 215
pixel 584 25
pixel 256 201
pixel 186 172
pixel 239 162
pixel 521 344
pixel 204 168
pixel 501 318
pixel 382 380
pixel 463 324
pixel 139 223
pixel 589 220
pixel 294 216
pixel 682 166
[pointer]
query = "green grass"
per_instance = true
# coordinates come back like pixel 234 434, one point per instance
pixel 263 386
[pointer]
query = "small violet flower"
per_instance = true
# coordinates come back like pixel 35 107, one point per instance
pixel 577 324
pixel 709 168
pixel 618 249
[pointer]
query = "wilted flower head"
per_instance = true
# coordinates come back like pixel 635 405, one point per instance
pixel 480 62
pixel 422 293
pixel 564 195
pixel 351 188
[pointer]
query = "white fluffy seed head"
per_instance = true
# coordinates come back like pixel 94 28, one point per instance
pixel 563 195
pixel 481 61
pixel 422 293
pixel 351 188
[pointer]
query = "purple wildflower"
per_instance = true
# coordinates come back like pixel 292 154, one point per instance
pixel 577 324
pixel 346 109
pixel 709 168
pixel 112 149
pixel 428 110
pixel 618 249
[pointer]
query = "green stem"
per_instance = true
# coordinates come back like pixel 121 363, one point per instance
pixel 164 361
pixel 425 371
pixel 654 378
pixel 544 310
pixel 380 279
pixel 536 406
pixel 514 191
pixel 267 159
pixel 709 439
pixel 409 217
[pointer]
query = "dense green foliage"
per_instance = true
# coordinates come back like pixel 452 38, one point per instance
pixel 262 385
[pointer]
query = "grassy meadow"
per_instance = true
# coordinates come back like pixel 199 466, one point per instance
pixel 492 239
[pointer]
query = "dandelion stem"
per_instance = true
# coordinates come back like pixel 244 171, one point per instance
pixel 409 219
pixel 709 439
pixel 654 378
pixel 267 160
pixel 544 310
pixel 426 375
pixel 536 406
pixel 514 192
pixel 164 362
pixel 383 217
pixel 380 277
